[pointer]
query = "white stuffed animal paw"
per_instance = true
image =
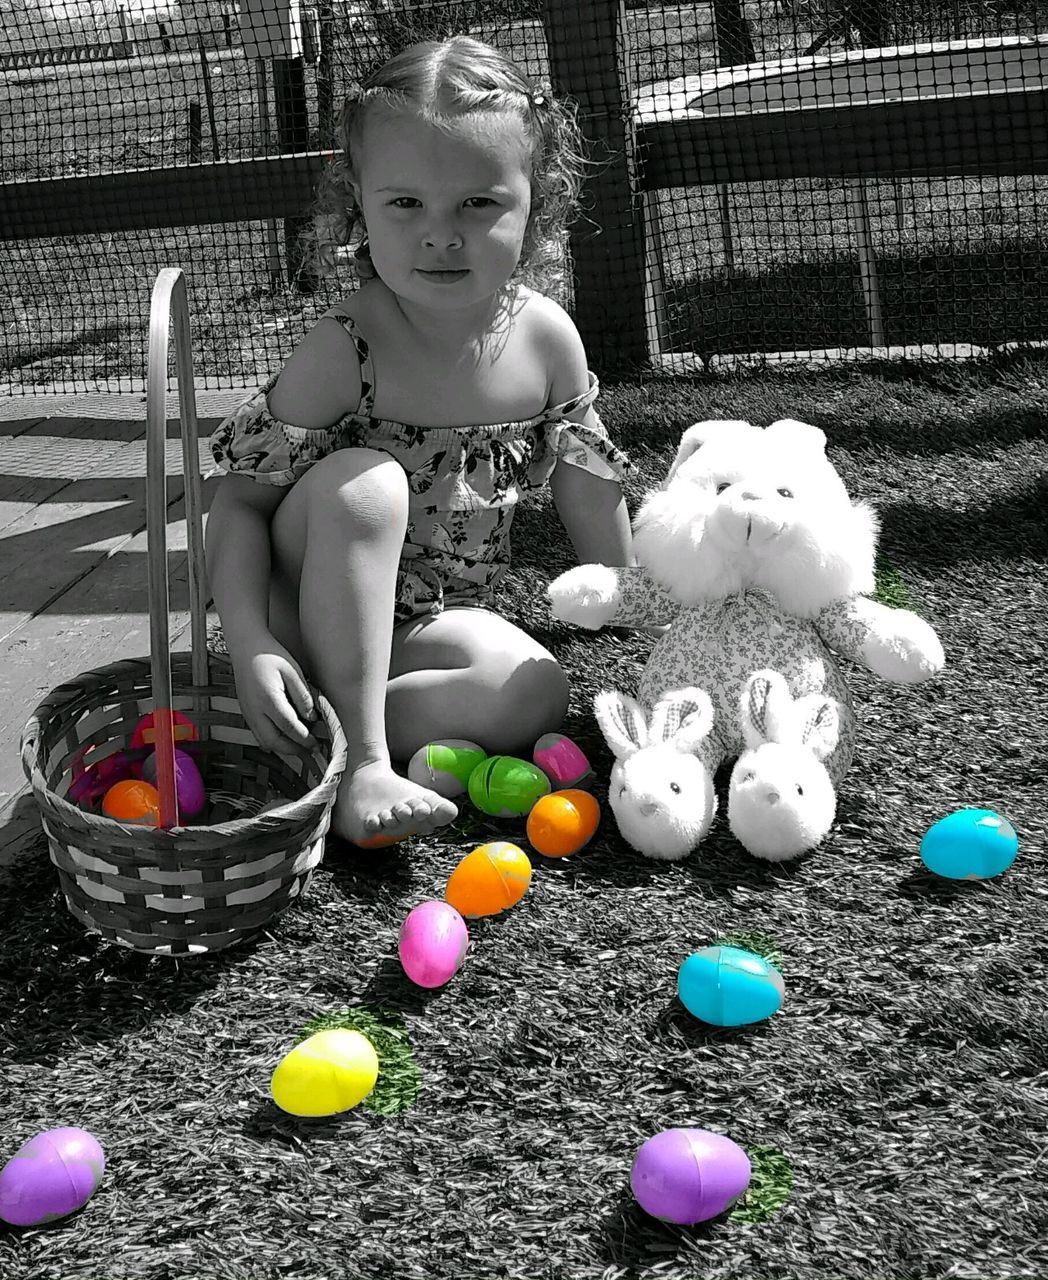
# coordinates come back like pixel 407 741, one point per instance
pixel 903 648
pixel 781 801
pixel 660 792
pixel 587 595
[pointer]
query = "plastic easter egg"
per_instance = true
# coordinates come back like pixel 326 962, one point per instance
pixel 506 787
pixel 445 766
pixel 561 760
pixel 133 801
pixel 729 987
pixel 433 942
pixel 488 880
pixel 189 785
pixel 562 822
pixel 91 782
pixel 970 844
pixel 330 1072
pixel 377 842
pixel 184 730
pixel 53 1174
pixel 689 1175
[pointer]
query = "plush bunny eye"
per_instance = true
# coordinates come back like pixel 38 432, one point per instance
pixel 800 789
pixel 748 777
pixel 622 790
pixel 722 486
pixel 785 493
pixel 675 789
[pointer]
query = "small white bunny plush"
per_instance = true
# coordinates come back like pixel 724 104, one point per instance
pixel 780 798
pixel 754 553
pixel 660 791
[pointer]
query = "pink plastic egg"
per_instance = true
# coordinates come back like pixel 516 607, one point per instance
pixel 561 760
pixel 53 1174
pixel 433 942
pixel 189 785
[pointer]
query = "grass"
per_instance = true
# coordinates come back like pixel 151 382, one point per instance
pixel 893 1110
pixel 960 259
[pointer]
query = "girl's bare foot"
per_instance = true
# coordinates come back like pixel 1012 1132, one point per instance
pixel 374 801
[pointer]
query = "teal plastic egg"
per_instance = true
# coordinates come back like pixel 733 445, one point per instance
pixel 507 787
pixel 970 844
pixel 729 987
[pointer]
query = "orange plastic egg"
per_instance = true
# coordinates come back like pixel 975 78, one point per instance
pixel 378 841
pixel 488 880
pixel 562 822
pixel 133 801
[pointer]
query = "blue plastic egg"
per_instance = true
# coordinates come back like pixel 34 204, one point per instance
pixel 970 844
pixel 729 987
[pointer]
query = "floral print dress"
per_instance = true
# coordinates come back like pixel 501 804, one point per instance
pixel 464 482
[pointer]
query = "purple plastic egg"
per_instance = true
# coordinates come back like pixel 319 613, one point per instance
pixel 561 760
pixel 433 942
pixel 189 785
pixel 53 1174
pixel 689 1175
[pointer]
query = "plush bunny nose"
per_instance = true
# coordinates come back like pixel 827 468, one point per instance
pixel 747 496
pixel 648 808
pixel 772 796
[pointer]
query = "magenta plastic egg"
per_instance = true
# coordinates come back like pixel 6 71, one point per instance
pixel 51 1175
pixel 433 942
pixel 561 760
pixel 189 785
pixel 689 1175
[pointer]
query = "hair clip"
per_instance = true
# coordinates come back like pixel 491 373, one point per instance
pixel 537 99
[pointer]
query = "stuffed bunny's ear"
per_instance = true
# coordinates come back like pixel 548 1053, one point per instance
pixel 802 435
pixel 683 717
pixel 766 709
pixel 820 724
pixel 698 434
pixel 622 722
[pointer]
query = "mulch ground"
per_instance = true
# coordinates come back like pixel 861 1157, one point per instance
pixel 895 1108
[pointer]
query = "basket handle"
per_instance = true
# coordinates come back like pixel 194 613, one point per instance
pixel 169 302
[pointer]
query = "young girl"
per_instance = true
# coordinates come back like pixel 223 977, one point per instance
pixel 363 524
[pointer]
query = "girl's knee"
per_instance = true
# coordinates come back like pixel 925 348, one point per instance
pixel 366 484
pixel 531 701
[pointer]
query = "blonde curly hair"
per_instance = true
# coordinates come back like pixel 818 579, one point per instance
pixel 440 80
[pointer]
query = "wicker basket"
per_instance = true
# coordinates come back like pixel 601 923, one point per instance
pixel 185 889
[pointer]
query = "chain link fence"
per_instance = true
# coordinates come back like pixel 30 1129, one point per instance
pixel 773 176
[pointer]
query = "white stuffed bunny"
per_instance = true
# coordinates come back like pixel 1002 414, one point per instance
pixel 754 553
pixel 780 798
pixel 660 792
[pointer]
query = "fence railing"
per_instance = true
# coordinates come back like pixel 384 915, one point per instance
pixel 710 131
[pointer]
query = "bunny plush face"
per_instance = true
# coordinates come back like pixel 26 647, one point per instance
pixel 749 507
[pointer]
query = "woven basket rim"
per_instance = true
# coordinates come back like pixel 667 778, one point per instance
pixel 72 815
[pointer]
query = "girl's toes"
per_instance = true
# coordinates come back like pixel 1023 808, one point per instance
pixel 420 810
pixel 444 812
pixel 403 812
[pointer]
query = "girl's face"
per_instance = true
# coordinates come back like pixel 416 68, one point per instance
pixel 445 212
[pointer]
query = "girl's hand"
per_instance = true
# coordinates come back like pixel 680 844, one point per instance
pixel 274 698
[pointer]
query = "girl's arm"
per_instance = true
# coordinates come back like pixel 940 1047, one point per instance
pixel 237 550
pixel 594 514
pixel 592 508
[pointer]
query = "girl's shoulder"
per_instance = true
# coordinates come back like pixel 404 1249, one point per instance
pixel 318 385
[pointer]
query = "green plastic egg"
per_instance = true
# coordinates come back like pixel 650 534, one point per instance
pixel 507 787
pixel 445 766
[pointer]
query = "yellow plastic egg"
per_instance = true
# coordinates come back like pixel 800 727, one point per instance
pixel 488 880
pixel 330 1072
